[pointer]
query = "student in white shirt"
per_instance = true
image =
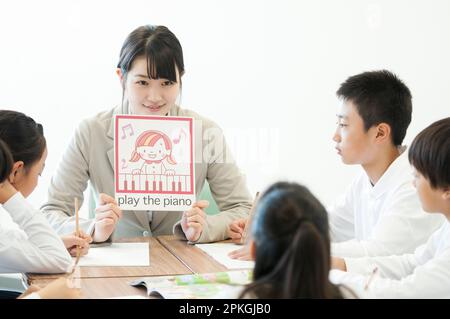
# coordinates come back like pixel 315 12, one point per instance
pixel 42 250
pixel 380 213
pixel 27 145
pixel 31 246
pixel 426 272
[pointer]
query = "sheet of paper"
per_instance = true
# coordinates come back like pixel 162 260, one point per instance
pixel 118 254
pixel 220 251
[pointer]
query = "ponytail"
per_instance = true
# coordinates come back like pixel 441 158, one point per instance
pixel 308 265
pixel 6 161
pixel 292 245
pixel 301 272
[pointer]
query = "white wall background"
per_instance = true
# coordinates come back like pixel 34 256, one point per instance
pixel 266 71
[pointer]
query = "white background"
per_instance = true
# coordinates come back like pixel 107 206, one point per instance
pixel 265 71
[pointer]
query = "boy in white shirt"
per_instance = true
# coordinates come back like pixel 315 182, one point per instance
pixel 426 272
pixel 380 213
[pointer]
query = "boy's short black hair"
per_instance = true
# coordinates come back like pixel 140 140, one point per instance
pixel 429 153
pixel 380 97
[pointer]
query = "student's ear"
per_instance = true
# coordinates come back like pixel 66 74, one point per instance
pixel 252 249
pixel 446 194
pixel 383 132
pixel 16 172
pixel 119 74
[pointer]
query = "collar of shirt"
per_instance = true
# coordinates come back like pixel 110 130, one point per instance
pixel 395 173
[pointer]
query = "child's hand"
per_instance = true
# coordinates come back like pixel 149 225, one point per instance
pixel 71 242
pixel 194 220
pixel 241 253
pixel 29 291
pixel 338 263
pixel 106 217
pixel 61 288
pixel 236 228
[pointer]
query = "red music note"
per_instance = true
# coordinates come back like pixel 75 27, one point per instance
pixel 124 163
pixel 176 140
pixel 125 127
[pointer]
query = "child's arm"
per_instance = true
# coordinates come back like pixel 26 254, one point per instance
pixel 429 280
pixel 400 229
pixel 43 251
pixel 394 267
pixel 58 289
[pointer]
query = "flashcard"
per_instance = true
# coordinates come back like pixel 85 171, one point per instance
pixel 153 162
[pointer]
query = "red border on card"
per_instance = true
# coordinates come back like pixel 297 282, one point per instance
pixel 164 118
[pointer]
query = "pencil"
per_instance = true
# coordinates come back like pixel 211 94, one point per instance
pixel 374 272
pixel 250 217
pixel 77 233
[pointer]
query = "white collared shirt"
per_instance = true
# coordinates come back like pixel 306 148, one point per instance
pixel 381 220
pixel 35 247
pixel 423 274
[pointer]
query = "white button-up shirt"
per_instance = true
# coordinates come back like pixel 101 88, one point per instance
pixel 35 247
pixel 423 274
pixel 381 220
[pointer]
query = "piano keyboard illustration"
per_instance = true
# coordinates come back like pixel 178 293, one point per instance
pixel 154 183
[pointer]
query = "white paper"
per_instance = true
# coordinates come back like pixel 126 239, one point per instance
pixel 220 251
pixel 117 254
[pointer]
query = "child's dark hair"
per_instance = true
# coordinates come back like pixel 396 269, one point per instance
pixel 380 97
pixel 429 153
pixel 160 47
pixel 292 245
pixel 24 137
pixel 6 161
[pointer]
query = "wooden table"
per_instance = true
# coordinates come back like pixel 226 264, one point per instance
pixel 168 256
pixel 162 263
pixel 195 259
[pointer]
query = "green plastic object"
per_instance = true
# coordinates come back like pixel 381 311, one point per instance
pixel 212 209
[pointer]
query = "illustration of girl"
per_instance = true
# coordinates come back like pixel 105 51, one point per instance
pixel 153 147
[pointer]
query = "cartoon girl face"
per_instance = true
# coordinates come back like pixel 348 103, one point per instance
pixel 157 152
pixel 153 146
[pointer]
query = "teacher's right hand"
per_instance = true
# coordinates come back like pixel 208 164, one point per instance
pixel 106 218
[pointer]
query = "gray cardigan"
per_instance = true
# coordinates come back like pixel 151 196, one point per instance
pixel 89 157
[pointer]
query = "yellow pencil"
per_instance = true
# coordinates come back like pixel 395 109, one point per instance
pixel 250 217
pixel 77 233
